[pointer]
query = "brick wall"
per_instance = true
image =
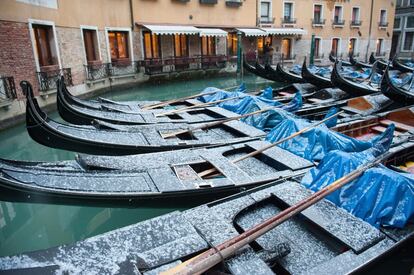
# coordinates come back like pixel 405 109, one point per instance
pixel 72 53
pixel 16 54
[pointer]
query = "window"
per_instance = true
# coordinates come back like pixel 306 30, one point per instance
pixel 208 45
pixel 265 11
pixel 232 44
pixel 288 11
pixel 408 41
pixel 410 22
pixel 118 43
pixel 90 41
pixel 383 17
pixel 352 46
pixel 338 14
pixel 379 46
pixel 45 46
pixel 399 3
pixel 335 46
pixel 180 45
pixel 152 48
pixel 287 48
pixel 411 3
pixel 261 41
pixel 317 49
pixel 355 15
pixel 317 13
pixel 397 22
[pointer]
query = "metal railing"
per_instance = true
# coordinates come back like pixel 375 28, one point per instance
pixel 382 24
pixel 47 79
pixel 104 70
pixel 288 20
pixel 266 20
pixel 208 2
pixel 234 3
pixel 338 22
pixel 7 89
pixel 318 21
pixel 356 23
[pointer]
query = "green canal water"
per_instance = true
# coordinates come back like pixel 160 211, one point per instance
pixel 32 226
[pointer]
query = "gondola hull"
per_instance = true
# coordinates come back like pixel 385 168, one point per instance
pixel 398 94
pixel 317 80
pixel 288 76
pixel 398 65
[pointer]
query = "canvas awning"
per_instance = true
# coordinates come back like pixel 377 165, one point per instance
pixel 212 32
pixel 168 30
pixel 284 31
pixel 253 32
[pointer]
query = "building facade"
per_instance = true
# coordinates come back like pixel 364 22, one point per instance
pixel 97 43
pixel 403 36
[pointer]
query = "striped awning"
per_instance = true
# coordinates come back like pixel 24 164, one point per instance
pixel 284 31
pixel 253 32
pixel 212 32
pixel 169 30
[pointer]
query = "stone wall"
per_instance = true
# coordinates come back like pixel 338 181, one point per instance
pixel 16 54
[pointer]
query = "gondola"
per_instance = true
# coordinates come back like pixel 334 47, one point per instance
pixel 349 86
pixel 398 94
pixel 399 65
pixel 381 64
pixel 333 59
pixel 317 80
pixel 249 67
pixel 324 239
pixel 108 139
pixel 133 179
pixel 272 73
pixel 288 76
pixel 79 115
pixel 358 64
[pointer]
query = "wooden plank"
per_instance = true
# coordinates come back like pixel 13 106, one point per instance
pixel 398 125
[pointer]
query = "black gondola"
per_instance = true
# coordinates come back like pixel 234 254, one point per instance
pixel 125 140
pixel 351 87
pixel 324 239
pixel 333 59
pixel 381 64
pixel 358 64
pixel 395 93
pixel 249 67
pixel 273 74
pixel 317 80
pixel 288 76
pixel 162 175
pixel 399 65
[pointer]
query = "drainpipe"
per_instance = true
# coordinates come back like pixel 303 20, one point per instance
pixel 370 30
pixel 239 51
pixel 131 12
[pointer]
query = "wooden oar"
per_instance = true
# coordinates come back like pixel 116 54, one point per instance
pixel 217 254
pixel 196 106
pixel 254 153
pixel 215 123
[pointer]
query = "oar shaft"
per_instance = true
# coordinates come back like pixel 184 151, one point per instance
pixel 161 104
pixel 215 255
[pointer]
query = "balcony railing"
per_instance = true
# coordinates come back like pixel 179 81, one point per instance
pixel 288 20
pixel 7 89
pixel 318 21
pixel 266 20
pixel 47 79
pixel 382 24
pixel 104 70
pixel 338 22
pixel 356 23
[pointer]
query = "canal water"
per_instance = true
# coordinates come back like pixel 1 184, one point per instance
pixel 32 226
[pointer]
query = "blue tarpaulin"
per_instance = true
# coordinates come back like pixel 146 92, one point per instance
pixel 381 196
pixel 314 144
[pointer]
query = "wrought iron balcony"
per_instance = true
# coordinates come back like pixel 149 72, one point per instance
pixel 7 89
pixel 210 2
pixel 266 20
pixel 116 68
pixel 288 20
pixel 318 21
pixel 234 3
pixel 382 24
pixel 47 79
pixel 338 22
pixel 96 71
pixel 356 23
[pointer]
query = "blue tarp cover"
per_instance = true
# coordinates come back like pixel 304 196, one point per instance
pixel 314 144
pixel 381 197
